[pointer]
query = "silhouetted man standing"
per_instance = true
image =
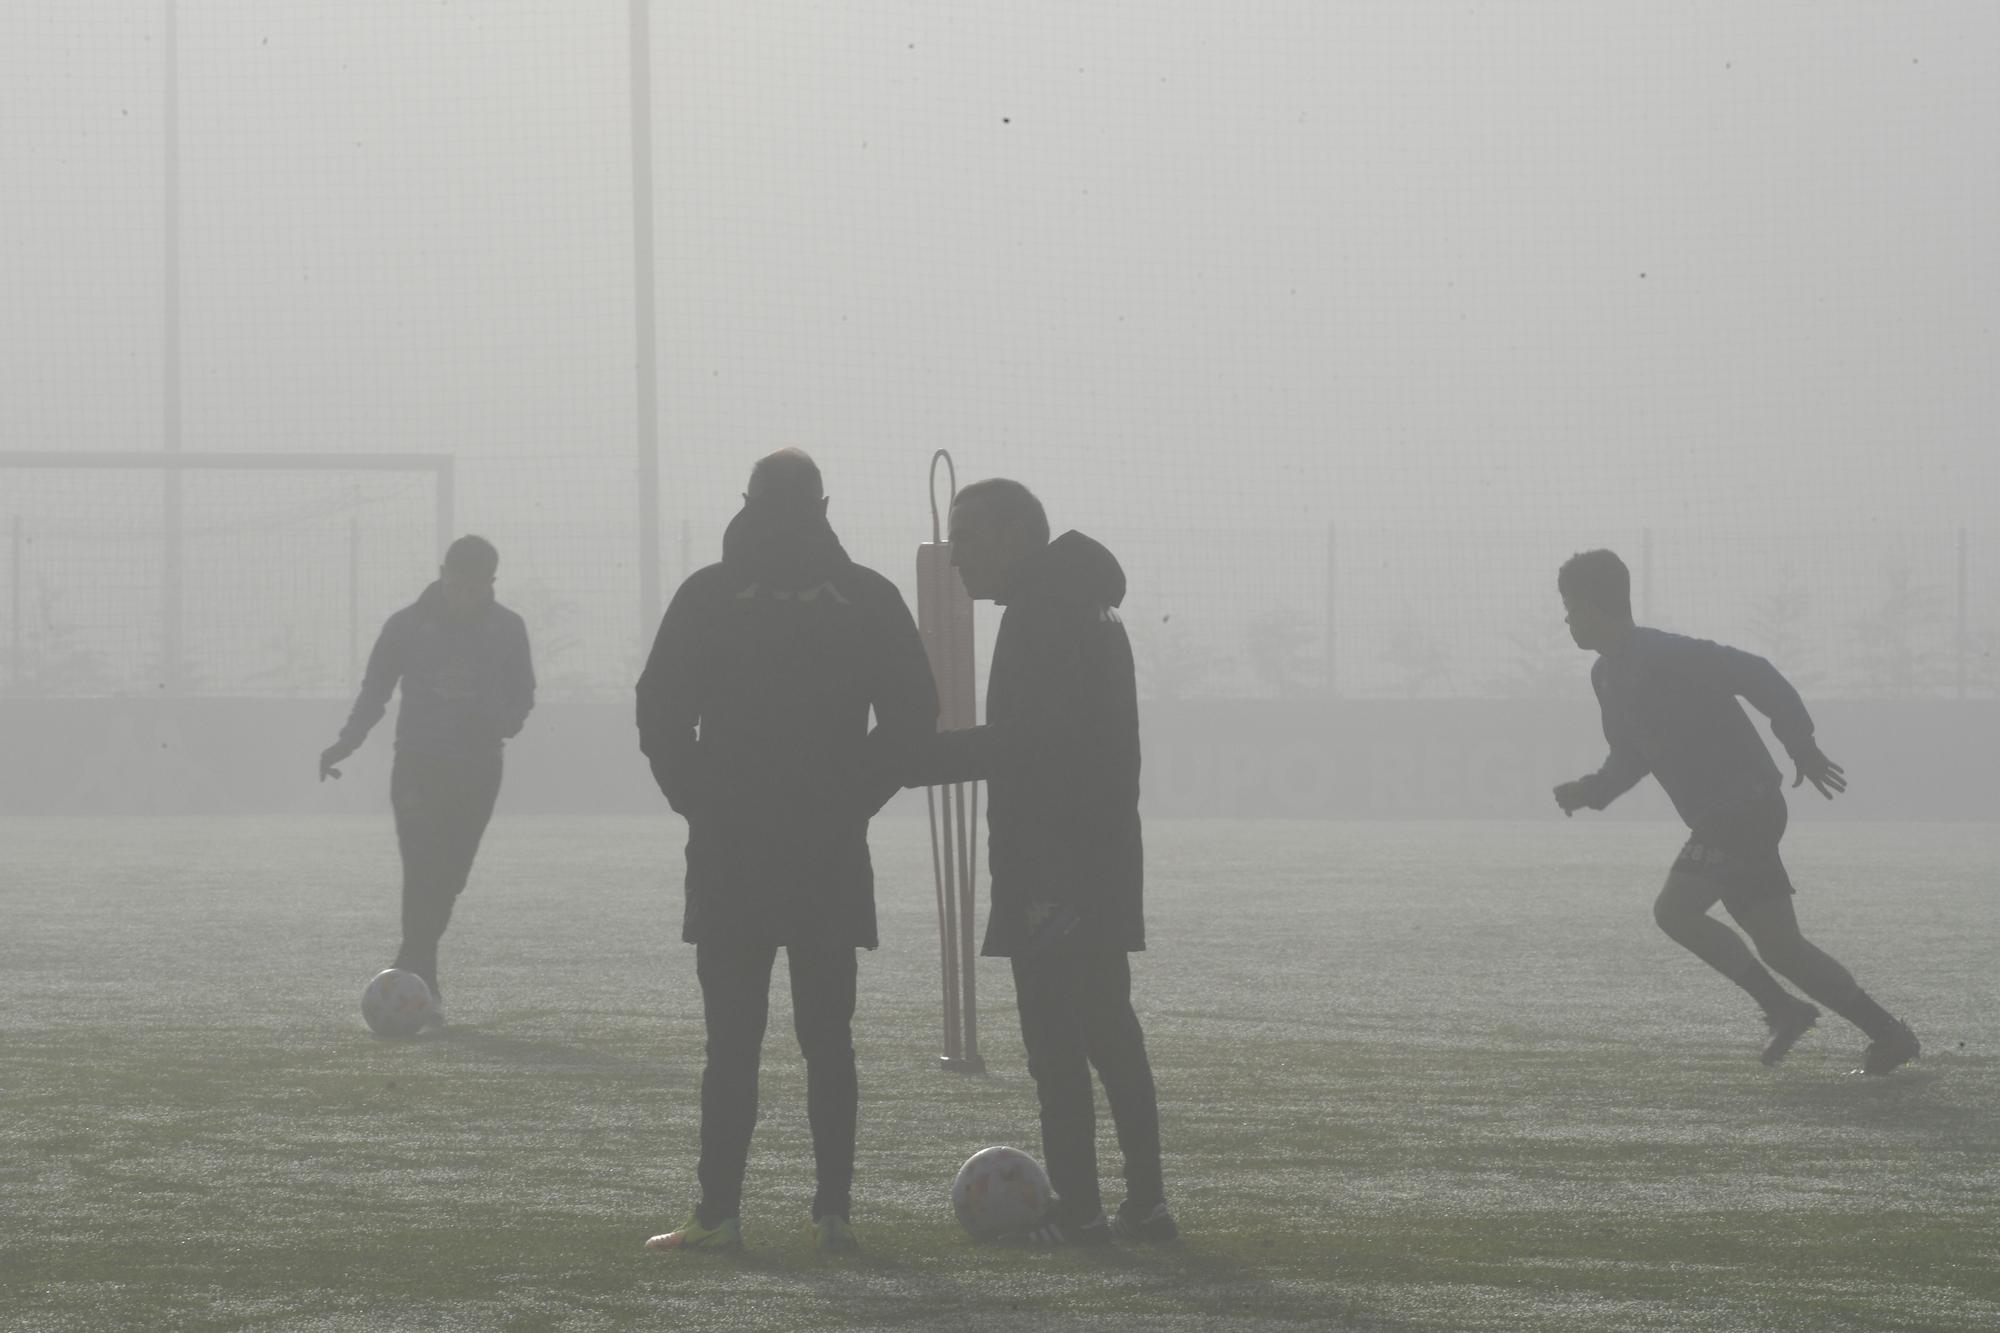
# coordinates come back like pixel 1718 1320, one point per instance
pixel 753 711
pixel 1060 755
pixel 1670 709
pixel 468 686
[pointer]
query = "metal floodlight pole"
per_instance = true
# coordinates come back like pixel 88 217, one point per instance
pixel 171 557
pixel 1332 612
pixel 944 617
pixel 645 329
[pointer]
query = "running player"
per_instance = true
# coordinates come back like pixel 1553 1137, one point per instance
pixel 1669 706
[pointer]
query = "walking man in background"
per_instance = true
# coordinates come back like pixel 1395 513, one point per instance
pixel 468 686
pixel 753 712
pixel 1060 755
pixel 1669 706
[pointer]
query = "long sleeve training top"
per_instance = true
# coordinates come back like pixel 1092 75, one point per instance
pixel 1670 709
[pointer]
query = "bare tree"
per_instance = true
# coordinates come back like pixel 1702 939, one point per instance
pixel 555 627
pixel 1777 630
pixel 1279 644
pixel 1420 659
pixel 1172 662
pixel 54 658
pixel 1540 664
pixel 1891 657
pixel 298 666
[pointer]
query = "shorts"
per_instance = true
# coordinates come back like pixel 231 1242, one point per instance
pixel 1737 850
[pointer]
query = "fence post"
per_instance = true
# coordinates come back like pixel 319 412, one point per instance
pixel 353 602
pixel 446 500
pixel 1962 644
pixel 1332 612
pixel 1646 577
pixel 17 651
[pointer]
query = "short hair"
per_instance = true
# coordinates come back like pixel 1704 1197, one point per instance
pixel 1598 579
pixel 1009 501
pixel 472 555
pixel 788 477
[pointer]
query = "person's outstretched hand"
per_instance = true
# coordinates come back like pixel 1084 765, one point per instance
pixel 1571 796
pixel 330 756
pixel 1827 777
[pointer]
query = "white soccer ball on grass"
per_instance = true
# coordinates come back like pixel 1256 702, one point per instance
pixel 999 1189
pixel 397 1003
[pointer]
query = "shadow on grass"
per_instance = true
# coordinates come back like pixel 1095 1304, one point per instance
pixel 1912 1101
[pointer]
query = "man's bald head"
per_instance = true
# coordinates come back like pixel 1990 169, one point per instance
pixel 787 479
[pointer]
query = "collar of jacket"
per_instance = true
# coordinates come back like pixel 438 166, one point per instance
pixel 780 549
pixel 432 604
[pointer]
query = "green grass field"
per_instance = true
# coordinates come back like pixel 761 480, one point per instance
pixel 1412 1076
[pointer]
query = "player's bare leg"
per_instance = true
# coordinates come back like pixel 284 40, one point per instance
pixel 1682 911
pixel 1774 926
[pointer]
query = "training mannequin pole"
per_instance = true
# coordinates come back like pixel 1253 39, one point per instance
pixel 944 616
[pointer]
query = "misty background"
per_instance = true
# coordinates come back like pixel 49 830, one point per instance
pixel 1342 324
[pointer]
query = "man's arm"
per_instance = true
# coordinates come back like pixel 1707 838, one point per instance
pixel 517 683
pixel 966 754
pixel 668 707
pixel 1047 739
pixel 1764 687
pixel 1621 771
pixel 385 668
pixel 904 697
pixel 1756 681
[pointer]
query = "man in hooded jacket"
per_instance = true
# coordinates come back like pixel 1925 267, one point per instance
pixel 468 685
pixel 1060 755
pixel 753 712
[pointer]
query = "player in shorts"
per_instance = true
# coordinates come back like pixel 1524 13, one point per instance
pixel 1670 709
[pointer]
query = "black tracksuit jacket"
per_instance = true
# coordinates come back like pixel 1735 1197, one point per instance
pixel 753 712
pixel 1059 752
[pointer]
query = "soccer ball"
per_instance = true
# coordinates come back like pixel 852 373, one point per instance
pixel 999 1189
pixel 397 1003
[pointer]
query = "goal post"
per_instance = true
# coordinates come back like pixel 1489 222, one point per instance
pixel 105 547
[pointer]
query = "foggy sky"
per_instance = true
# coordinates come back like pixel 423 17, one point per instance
pixel 1563 271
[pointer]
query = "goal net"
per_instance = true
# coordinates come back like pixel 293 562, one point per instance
pixel 209 574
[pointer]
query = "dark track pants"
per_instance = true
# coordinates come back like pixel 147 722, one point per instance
pixel 1076 1013
pixel 736 1001
pixel 442 803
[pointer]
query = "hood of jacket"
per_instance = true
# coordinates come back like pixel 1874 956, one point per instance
pixel 1072 568
pixel 771 546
